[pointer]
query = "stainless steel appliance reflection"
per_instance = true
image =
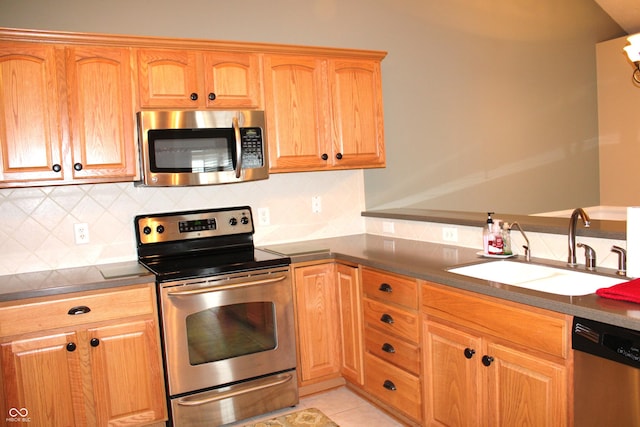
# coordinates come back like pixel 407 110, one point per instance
pixel 226 314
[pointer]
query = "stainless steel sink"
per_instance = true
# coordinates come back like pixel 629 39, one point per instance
pixel 538 277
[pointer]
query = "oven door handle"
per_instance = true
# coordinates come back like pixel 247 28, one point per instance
pixel 236 132
pixel 191 401
pixel 226 287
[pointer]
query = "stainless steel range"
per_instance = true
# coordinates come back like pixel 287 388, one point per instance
pixel 226 315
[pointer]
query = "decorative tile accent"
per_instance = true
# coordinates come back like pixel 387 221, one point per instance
pixel 37 223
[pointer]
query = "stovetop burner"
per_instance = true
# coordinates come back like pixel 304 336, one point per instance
pixel 201 243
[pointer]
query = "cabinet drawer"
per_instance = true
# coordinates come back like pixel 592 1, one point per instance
pixel 392 320
pixel 390 288
pixel 531 327
pixel 40 314
pixel 393 350
pixel 393 386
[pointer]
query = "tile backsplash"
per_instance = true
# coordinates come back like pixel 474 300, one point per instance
pixel 37 231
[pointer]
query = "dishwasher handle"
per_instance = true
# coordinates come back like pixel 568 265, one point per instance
pixel 610 342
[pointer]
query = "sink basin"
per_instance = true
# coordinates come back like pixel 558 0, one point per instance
pixel 538 277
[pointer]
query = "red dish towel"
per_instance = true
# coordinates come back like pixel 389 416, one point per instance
pixel 627 291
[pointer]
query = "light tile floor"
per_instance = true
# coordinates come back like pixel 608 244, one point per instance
pixel 343 406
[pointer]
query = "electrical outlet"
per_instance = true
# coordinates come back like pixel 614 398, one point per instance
pixel 264 217
pixel 316 204
pixel 450 234
pixel 388 227
pixel 81 233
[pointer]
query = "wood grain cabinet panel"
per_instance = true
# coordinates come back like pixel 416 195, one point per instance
pixel 169 78
pixel 30 116
pixel 101 112
pixel 97 370
pixel 481 370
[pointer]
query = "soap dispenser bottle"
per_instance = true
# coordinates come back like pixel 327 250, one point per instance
pixel 487 233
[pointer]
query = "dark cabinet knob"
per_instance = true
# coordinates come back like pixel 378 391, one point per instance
pixel 385 287
pixel 56 168
pixel 194 96
pixel 211 96
pixel 78 167
pixel 388 348
pixel 339 156
pixel 389 385
pixel 469 352
pixel 487 360
pixel 325 156
pixel 386 319
pixel 80 309
pixel 94 342
pixel 71 346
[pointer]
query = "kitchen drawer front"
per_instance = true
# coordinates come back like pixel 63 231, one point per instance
pixel 393 350
pixel 393 386
pixel 392 320
pixel 39 314
pixel 530 327
pixel 390 288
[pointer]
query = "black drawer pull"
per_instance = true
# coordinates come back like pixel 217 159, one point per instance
pixel 386 319
pixel 385 287
pixel 71 346
pixel 388 348
pixel 94 342
pixel 469 352
pixel 81 309
pixel 389 385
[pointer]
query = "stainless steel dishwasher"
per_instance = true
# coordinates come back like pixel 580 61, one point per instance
pixel 606 374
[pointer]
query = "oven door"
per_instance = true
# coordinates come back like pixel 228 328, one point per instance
pixel 222 330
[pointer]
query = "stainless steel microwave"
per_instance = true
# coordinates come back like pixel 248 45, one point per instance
pixel 184 148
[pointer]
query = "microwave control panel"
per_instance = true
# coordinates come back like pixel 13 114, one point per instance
pixel 252 148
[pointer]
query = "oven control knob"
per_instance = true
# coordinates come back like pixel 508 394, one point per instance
pixel 160 229
pixel 146 230
pixel 233 221
pixel 244 220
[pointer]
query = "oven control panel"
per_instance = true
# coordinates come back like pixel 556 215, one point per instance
pixel 188 225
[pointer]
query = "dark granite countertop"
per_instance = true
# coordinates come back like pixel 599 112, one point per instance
pixel 430 261
pixel 64 281
pixel 427 261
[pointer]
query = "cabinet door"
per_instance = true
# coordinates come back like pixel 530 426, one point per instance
pixel 525 390
pixel 350 309
pixel 101 112
pixel 168 78
pixel 297 105
pixel 317 321
pixel 451 375
pixel 231 80
pixel 41 381
pixel 126 373
pixel 30 133
pixel 357 116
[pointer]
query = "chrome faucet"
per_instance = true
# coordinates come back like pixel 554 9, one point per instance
pixel 527 252
pixel 578 212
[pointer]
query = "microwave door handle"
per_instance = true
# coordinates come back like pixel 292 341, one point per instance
pixel 236 131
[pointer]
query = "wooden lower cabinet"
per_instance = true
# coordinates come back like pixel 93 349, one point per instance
pixel 329 325
pixel 490 362
pixel 84 374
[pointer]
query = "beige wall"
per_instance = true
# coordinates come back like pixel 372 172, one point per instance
pixel 619 125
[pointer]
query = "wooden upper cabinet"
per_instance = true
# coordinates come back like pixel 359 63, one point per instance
pixel 101 112
pixel 297 112
pixel 30 133
pixel 170 78
pixel 323 113
pixel 358 129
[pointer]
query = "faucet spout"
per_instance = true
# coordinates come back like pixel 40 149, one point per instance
pixel 527 247
pixel 578 212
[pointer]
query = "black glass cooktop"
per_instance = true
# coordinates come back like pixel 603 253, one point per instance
pixel 211 264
